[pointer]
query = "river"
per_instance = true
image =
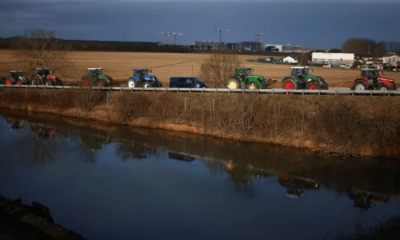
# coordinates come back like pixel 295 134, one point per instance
pixel 115 182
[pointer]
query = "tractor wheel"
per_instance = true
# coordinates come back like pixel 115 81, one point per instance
pixel 312 86
pixel 252 86
pixel 48 83
pixel 57 82
pixel 147 85
pixel 384 88
pixel 35 81
pixel 8 82
pixel 360 86
pixel 101 83
pixel 132 83
pixel 19 83
pixel 289 84
pixel 324 85
pixel 233 84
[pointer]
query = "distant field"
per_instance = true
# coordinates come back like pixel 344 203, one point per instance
pixel 119 65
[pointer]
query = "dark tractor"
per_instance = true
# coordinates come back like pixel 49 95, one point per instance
pixel 141 78
pixel 17 78
pixel 370 80
pixel 46 76
pixel 186 82
pixel 96 77
pixel 301 79
pixel 244 79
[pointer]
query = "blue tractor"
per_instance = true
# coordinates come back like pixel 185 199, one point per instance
pixel 141 78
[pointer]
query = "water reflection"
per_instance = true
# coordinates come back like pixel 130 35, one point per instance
pixel 252 173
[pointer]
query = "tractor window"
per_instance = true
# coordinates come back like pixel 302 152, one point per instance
pixel 305 71
pixel 46 71
pixel 40 72
pixel 248 72
pixel 181 80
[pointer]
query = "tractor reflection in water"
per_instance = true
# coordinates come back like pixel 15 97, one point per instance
pixel 128 149
pixel 42 131
pixel 16 124
pixel 242 178
pixel 364 200
pixel 296 185
pixel 94 142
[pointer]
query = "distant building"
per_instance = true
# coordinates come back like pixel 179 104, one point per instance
pixel 208 45
pixel 392 61
pixel 251 46
pixel 294 48
pixel 271 48
pixel 232 46
pixel 325 58
pixel 290 59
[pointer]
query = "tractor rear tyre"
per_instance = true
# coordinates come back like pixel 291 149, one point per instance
pixel 132 83
pixel 35 81
pixel 289 84
pixel 57 82
pixel 360 85
pixel 252 86
pixel 86 82
pixel 324 85
pixel 312 86
pixel 233 84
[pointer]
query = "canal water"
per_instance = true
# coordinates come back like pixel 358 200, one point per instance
pixel 113 182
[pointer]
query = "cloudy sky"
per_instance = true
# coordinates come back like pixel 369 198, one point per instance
pixel 316 24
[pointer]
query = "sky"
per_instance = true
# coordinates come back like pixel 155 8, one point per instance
pixel 312 23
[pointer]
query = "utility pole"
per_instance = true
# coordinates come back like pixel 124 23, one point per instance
pixel 258 40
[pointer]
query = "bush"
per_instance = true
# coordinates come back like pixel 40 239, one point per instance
pixel 218 68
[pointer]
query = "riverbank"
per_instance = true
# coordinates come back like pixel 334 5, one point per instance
pixel 19 221
pixel 343 125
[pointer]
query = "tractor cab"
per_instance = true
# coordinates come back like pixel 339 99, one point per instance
pixel 244 73
pixel 141 74
pixel 43 72
pixel 16 74
pixel 95 72
pixel 299 71
pixel 370 73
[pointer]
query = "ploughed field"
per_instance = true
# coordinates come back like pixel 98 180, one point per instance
pixel 119 66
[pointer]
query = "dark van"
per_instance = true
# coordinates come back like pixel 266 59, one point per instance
pixel 186 82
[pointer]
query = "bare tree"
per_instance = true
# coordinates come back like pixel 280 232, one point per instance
pixel 39 47
pixel 218 68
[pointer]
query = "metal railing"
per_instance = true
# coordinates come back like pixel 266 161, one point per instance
pixel 272 91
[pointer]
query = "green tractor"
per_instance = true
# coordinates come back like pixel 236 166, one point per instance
pixel 244 79
pixel 301 79
pixel 96 77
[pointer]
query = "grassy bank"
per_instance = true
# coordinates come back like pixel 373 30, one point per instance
pixel 328 124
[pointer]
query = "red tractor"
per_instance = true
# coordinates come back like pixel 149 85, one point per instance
pixel 44 75
pixel 370 80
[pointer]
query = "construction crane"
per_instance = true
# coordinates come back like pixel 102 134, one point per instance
pixel 258 40
pixel 220 30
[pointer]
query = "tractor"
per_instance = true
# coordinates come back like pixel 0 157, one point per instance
pixel 301 79
pixel 370 80
pixel 96 77
pixel 16 77
pixel 141 78
pixel 46 76
pixel 244 79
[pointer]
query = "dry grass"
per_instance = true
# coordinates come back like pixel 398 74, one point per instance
pixel 119 65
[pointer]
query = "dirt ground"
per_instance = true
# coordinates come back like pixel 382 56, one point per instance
pixel 119 65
